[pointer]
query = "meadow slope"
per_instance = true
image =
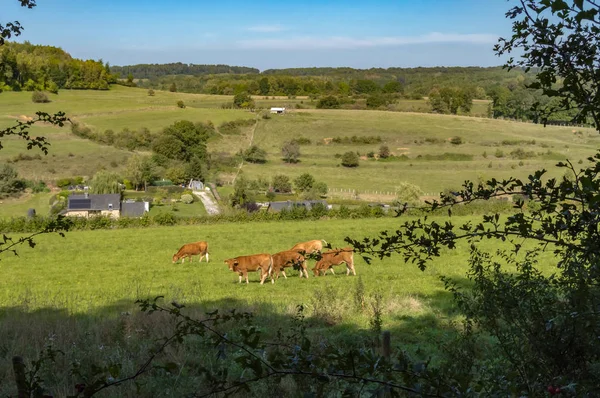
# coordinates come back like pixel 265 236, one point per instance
pixel 490 148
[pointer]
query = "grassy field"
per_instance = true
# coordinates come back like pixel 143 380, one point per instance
pixel 489 147
pixel 73 291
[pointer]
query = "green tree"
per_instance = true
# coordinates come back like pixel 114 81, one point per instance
pixel 290 151
pixel 241 192
pixel 254 154
pixel 10 184
pixel 151 93
pixel 170 147
pixel 559 37
pixel 173 87
pixel 393 87
pixel 264 86
pixel 105 182
pixel 281 183
pixel 243 100
pixel 350 159
pixel 304 182
pixel 177 174
pixel 196 169
pixel 140 171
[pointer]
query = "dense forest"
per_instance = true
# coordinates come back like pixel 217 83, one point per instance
pixel 24 66
pixel 149 71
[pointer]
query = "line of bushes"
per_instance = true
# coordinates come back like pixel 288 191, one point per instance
pixel 28 225
pixel 367 139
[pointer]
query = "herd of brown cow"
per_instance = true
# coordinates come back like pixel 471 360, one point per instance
pixel 272 265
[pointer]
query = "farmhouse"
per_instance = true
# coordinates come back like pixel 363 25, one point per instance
pixel 279 111
pixel 289 205
pixel 86 205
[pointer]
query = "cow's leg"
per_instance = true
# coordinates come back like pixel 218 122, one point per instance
pixel 331 269
pixel 206 256
pixel 240 274
pixel 283 273
pixel 246 275
pixel 263 276
pixel 305 273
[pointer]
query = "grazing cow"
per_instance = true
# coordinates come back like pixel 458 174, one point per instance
pixel 288 258
pixel 255 262
pixel 310 247
pixel 191 249
pixel 335 257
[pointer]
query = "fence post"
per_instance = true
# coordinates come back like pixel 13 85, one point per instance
pixel 19 369
pixel 387 344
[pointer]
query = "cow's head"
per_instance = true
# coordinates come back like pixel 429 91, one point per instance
pixel 232 263
pixel 175 258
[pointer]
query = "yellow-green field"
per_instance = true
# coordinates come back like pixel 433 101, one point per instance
pixel 487 143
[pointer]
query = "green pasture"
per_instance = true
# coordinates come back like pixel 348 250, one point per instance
pixel 415 135
pixel 487 144
pixel 77 294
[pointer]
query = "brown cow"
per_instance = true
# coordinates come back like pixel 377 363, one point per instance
pixel 190 250
pixel 243 264
pixel 310 247
pixel 335 257
pixel 288 258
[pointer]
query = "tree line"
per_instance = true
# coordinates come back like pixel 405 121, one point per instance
pixel 150 71
pixel 25 66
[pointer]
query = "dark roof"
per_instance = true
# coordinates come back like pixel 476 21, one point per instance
pixel 94 202
pixel 135 209
pixel 288 205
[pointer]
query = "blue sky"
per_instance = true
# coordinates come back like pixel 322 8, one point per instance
pixel 270 34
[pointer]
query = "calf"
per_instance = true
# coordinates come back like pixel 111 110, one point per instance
pixel 288 258
pixel 310 247
pixel 191 249
pixel 243 264
pixel 335 257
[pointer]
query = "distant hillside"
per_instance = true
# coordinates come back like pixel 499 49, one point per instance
pixel 148 71
pixel 24 66
pixel 412 82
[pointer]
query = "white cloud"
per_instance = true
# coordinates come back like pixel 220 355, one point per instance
pixel 338 42
pixel 267 28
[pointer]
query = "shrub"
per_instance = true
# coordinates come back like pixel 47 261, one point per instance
pixel 39 97
pixel 522 154
pixel 304 182
pixel 254 154
pixel 329 102
pixel 371 154
pixel 384 152
pixel 151 93
pixel 187 199
pixel 456 140
pixel 165 218
pixel 281 183
pixel 499 153
pixel 350 159
pixel 408 193
pixel 302 141
pixel 180 104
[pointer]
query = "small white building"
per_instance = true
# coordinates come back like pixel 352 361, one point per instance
pixel 279 111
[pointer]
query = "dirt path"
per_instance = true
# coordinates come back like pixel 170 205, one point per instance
pixel 249 145
pixel 209 204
